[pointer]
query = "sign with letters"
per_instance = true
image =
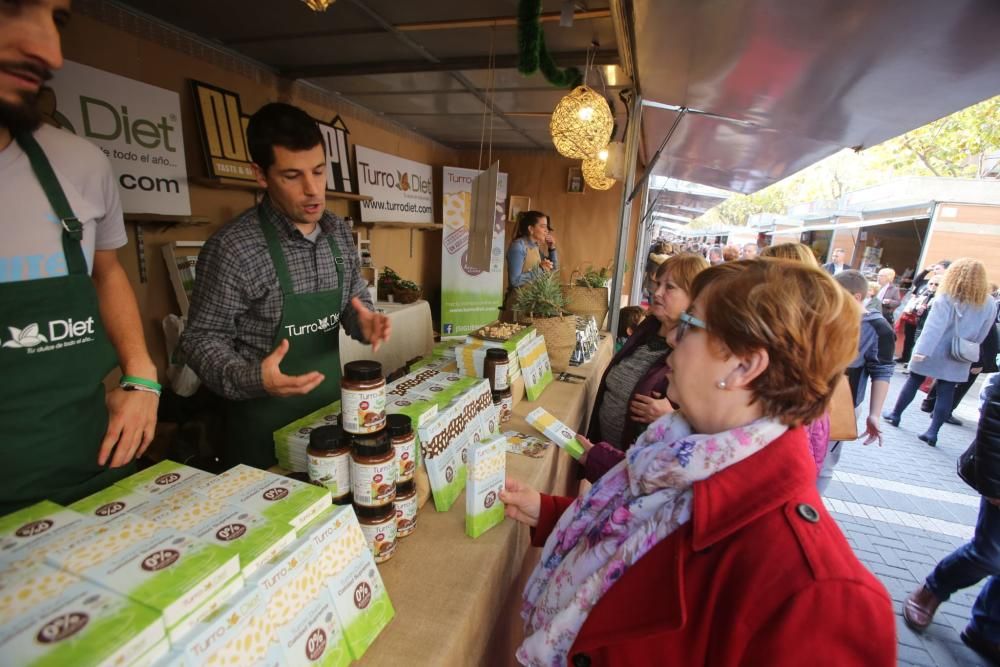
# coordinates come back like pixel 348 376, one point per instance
pixel 401 190
pixel 137 126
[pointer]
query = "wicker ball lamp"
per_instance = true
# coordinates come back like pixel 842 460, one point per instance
pixel 581 124
pixel 594 171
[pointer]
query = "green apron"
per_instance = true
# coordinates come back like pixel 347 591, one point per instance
pixel 311 322
pixel 53 360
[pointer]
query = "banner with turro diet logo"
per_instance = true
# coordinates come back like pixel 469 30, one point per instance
pixel 138 126
pixel 470 297
pixel 401 190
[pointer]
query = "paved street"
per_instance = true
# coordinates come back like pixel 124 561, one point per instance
pixel 903 508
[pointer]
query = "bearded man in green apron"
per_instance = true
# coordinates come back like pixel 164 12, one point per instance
pixel 68 315
pixel 272 289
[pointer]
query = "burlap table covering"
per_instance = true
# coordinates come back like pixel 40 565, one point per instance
pixel 455 597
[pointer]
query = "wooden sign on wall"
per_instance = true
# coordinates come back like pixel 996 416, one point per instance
pixel 222 125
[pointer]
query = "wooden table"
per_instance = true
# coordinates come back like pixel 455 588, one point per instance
pixel 455 597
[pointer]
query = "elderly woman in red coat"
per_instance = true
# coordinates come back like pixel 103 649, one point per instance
pixel 708 544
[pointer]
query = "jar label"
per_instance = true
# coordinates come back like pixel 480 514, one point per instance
pixel 406 516
pixel 381 538
pixel 500 377
pixel 506 408
pixel 406 457
pixel 374 484
pixel 362 411
pixel 332 472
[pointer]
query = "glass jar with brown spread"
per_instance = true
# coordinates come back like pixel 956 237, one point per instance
pixel 373 470
pixel 406 508
pixel 496 368
pixel 404 442
pixel 379 527
pixel 362 397
pixel 504 400
pixel 329 461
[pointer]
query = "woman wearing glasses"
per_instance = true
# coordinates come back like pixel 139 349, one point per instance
pixel 632 393
pixel 709 544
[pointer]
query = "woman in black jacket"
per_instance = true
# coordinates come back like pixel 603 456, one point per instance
pixel 978 559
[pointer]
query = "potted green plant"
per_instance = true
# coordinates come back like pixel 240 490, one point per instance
pixel 587 294
pixel 541 303
pixel 386 283
pixel 406 291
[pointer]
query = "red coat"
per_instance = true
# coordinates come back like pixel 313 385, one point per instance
pixel 761 575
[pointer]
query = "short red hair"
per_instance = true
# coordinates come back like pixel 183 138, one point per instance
pixel 806 322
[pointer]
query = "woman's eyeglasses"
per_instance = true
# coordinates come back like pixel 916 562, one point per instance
pixel 685 322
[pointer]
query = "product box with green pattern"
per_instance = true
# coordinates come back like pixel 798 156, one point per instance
pixel 113 501
pixel 291 441
pixel 170 572
pixel 487 472
pixel 50 617
pixel 25 534
pixel 344 561
pixel 221 596
pixel 441 447
pixel 236 633
pixel 274 497
pixel 255 539
pixel 164 478
pixel 314 636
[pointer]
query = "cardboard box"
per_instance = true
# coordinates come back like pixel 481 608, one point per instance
pixel 26 533
pixel 253 538
pixel 291 441
pixel 345 562
pixel 556 431
pixel 314 636
pixel 111 502
pixel 274 497
pixel 441 448
pixel 236 633
pixel 55 618
pixel 487 472
pixel 220 597
pixel 536 371
pixel 155 566
pixel 164 478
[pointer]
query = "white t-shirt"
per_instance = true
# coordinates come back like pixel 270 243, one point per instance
pixel 30 232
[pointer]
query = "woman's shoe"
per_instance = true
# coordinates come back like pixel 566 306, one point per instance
pixel 928 439
pixel 891 418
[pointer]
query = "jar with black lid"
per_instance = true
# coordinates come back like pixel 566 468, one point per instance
pixel 329 461
pixel 362 397
pixel 378 524
pixel 496 369
pixel 373 469
pixel 406 508
pixel 404 442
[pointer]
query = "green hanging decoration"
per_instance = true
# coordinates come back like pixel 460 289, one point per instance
pixel 533 54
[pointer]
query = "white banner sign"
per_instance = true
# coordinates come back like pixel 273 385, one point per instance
pixel 138 127
pixel 470 297
pixel 401 190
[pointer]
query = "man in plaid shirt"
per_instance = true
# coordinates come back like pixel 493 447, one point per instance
pixel 273 286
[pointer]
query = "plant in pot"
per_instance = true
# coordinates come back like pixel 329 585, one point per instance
pixel 406 291
pixel 588 293
pixel 541 304
pixel 386 283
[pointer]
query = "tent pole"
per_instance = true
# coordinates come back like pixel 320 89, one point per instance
pixel 625 211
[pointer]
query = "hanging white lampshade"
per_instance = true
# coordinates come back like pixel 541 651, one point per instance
pixel 594 171
pixel 581 124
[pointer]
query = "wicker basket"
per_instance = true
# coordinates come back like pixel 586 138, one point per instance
pixel 406 295
pixel 587 301
pixel 560 338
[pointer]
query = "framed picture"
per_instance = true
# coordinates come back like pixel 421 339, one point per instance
pixel 574 181
pixel 518 204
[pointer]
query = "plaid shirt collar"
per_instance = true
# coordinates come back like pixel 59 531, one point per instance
pixel 286 227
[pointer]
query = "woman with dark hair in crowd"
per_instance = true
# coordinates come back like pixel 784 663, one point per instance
pixel 709 544
pixel 533 250
pixel 633 390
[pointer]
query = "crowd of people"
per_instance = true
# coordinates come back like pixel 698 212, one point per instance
pixel 710 445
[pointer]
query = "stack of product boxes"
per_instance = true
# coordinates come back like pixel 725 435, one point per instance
pixel 174 566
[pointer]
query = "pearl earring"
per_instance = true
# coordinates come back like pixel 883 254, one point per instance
pixel 721 384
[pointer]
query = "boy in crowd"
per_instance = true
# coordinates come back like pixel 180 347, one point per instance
pixel 874 362
pixel 629 318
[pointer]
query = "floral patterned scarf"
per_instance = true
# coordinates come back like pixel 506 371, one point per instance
pixel 626 513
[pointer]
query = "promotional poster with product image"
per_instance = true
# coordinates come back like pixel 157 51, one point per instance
pixel 470 297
